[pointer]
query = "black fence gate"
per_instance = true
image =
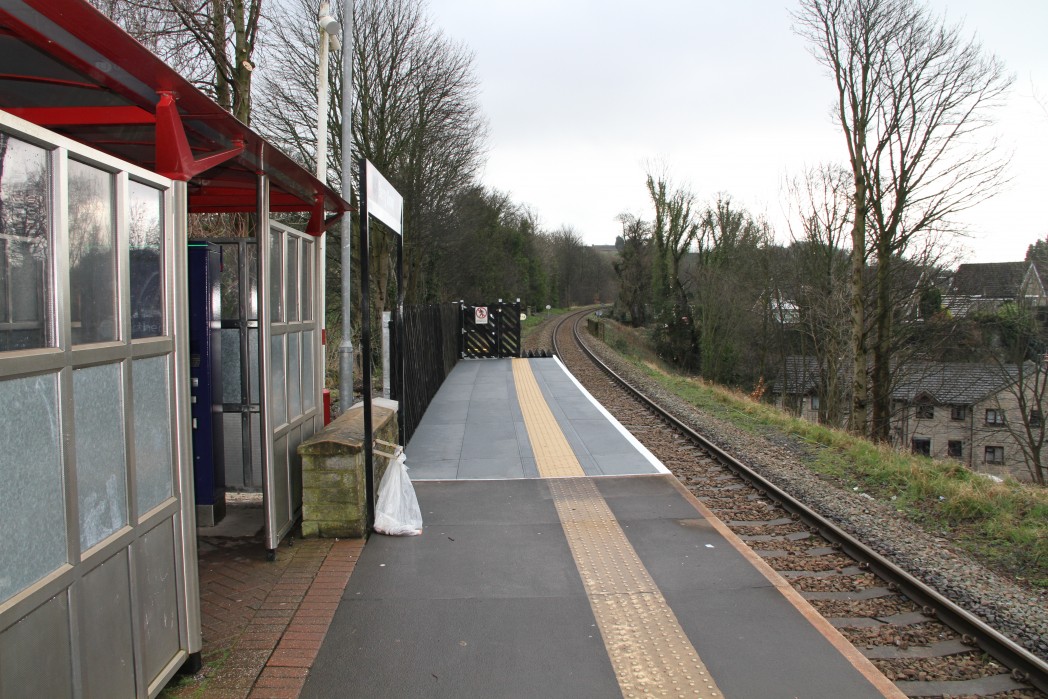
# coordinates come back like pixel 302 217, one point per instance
pixel 431 335
pixel 491 331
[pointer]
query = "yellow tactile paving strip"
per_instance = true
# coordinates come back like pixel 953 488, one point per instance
pixel 648 649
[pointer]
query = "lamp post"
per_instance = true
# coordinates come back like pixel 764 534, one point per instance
pixel 345 349
pixel 329 29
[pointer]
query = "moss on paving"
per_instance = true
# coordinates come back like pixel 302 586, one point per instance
pixel 1003 524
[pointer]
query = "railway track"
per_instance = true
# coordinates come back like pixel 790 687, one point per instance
pixel 926 644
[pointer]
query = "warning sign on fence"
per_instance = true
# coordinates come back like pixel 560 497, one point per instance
pixel 480 315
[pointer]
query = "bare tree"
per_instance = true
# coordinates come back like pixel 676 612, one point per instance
pixel 819 226
pixel 209 42
pixel 416 117
pixel 726 287
pixel 913 96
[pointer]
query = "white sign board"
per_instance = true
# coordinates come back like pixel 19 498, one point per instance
pixel 384 202
pixel 480 315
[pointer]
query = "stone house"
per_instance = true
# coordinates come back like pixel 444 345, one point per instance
pixel 963 411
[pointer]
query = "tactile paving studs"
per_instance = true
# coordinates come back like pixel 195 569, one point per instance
pixel 648 649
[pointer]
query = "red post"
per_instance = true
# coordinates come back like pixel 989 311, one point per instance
pixel 327 406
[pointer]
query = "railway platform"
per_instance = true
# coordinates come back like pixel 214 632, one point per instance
pixel 561 559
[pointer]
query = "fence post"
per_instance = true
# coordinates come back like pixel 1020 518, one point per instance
pixel 462 329
pixel 498 329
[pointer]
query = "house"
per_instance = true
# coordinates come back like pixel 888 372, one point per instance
pixel 963 411
pixel 801 395
pixel 957 410
pixel 986 286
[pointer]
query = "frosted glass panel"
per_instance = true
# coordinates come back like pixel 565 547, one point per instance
pixel 309 399
pixel 294 377
pixel 92 254
pixel 32 500
pixel 150 385
pixel 144 233
pixel 25 245
pixel 279 411
pixel 252 350
pixel 98 420
pixel 231 379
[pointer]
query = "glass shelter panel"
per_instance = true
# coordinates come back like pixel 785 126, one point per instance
pixel 90 455
pixel 294 377
pixel 307 280
pixel 251 253
pixel 276 263
pixel 92 254
pixel 308 379
pixel 279 383
pixel 101 471
pixel 144 228
pixel 232 391
pixel 252 353
pixel 152 421
pixel 291 281
pixel 32 495
pixel 230 281
pixel 25 245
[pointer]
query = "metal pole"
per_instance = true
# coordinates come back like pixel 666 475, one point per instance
pixel 401 348
pixel 345 349
pixel 321 164
pixel 322 97
pixel 365 341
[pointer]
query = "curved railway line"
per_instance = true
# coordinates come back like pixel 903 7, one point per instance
pixel 925 643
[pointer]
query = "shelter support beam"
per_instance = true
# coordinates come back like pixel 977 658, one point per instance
pixel 174 157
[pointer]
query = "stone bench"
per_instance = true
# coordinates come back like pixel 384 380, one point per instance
pixel 333 485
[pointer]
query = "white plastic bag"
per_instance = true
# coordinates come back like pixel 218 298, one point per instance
pixel 397 513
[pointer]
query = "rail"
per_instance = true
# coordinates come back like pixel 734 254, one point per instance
pixel 1025 666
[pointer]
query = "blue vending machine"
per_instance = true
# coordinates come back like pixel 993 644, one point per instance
pixel 205 375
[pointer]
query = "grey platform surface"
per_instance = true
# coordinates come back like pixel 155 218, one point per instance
pixel 488 602
pixel 474 427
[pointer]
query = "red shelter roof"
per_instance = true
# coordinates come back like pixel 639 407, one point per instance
pixel 67 67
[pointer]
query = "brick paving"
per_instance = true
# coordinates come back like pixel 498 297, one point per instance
pixel 263 621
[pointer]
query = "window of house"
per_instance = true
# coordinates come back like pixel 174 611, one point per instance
pixel 994 455
pixel 955 449
pixel 925 411
pixel 922 446
pixel 994 417
pixel 814 402
pixel 958 412
pixel 1035 418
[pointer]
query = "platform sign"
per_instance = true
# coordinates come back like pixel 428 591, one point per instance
pixel 384 202
pixel 480 315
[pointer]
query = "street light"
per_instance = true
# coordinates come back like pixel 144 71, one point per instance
pixel 329 30
pixel 329 41
pixel 345 349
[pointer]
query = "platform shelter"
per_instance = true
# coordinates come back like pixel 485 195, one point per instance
pixel 104 153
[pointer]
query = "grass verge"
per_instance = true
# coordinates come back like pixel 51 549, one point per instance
pixel 1004 524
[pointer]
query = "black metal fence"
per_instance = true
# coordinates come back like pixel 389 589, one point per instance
pixel 431 338
pixel 494 332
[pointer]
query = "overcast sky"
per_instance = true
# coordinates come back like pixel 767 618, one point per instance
pixel 583 96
